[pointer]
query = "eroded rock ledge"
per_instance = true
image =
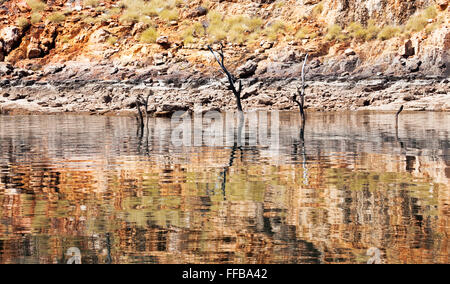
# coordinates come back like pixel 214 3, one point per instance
pixel 324 93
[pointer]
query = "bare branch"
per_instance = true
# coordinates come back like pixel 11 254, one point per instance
pixel 222 56
pixel 396 124
pixel 399 111
pixel 231 80
pixel 301 93
pixel 215 56
pixel 303 74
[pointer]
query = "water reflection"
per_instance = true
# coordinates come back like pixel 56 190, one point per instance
pixel 352 184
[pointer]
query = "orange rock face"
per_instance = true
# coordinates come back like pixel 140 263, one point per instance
pixel 70 31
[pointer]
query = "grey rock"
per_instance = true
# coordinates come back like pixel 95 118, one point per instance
pixel 265 100
pixel 286 55
pixel 349 65
pixel 251 91
pixel 5 69
pixel 198 12
pixel 159 59
pixel 247 70
pixel 163 40
pixel 409 97
pixel 17 96
pixel 407 49
pixel 413 65
pixel 33 51
pixel 10 37
pixel 20 73
pixel 314 63
pixel 363 102
pixel 349 52
pixel 266 44
pixel 172 107
pixel 53 69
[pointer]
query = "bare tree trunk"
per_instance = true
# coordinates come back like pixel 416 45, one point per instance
pixel 236 146
pixel 232 83
pixel 108 248
pixel 144 102
pixel 396 124
pixel 140 118
pixel 301 94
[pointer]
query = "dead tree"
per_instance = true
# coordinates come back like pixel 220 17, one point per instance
pixel 108 249
pixel 396 124
pixel 233 154
pixel 139 118
pixel 301 93
pixel 301 103
pixel 231 80
pixel 140 101
pixel 398 112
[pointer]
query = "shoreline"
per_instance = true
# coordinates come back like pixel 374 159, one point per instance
pixel 323 93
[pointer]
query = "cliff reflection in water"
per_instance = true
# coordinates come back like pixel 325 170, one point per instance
pixel 91 183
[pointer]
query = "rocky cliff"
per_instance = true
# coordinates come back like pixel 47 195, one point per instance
pixel 96 56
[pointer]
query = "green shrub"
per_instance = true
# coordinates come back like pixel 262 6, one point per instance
pixel 112 40
pixel 305 32
pixel 273 30
pixel 57 18
pixel 334 32
pixel 280 4
pixel 216 33
pixel 149 36
pixel 137 10
pixel 236 29
pixel 35 18
pixel 100 9
pixel 65 39
pixel 388 32
pixel 36 5
pixel 214 17
pixel 22 23
pixel 122 5
pixel 430 12
pixel 130 16
pixel 91 3
pixel 169 14
pixel 90 20
pixel 317 10
pixel 113 11
pixel 419 21
pixel 239 28
pixel 198 29
pixel 189 33
pixel 244 23
pixel 430 28
pixel 85 18
pixel 416 23
pixel 372 30
pixel 357 31
pixel 188 38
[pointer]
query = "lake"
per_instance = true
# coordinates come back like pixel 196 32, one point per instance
pixel 355 183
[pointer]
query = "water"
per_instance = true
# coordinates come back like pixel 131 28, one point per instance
pixel 355 183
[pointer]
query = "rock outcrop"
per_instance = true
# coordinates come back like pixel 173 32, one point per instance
pixel 103 47
pixel 10 38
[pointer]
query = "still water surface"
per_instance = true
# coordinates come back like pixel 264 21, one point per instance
pixel 355 183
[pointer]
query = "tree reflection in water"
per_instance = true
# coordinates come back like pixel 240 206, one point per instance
pixel 347 186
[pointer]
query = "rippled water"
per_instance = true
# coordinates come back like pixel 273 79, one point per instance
pixel 355 183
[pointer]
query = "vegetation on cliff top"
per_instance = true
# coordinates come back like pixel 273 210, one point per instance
pixel 185 22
